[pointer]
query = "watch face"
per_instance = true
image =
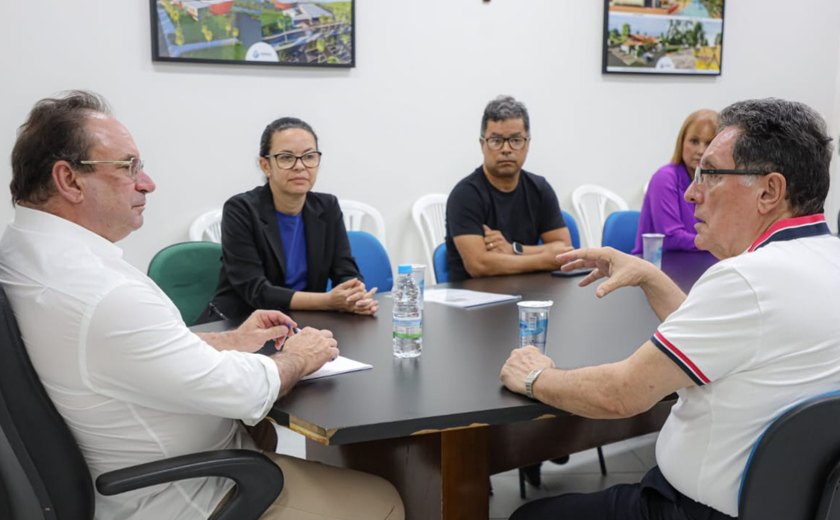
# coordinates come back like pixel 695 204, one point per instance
pixel 517 248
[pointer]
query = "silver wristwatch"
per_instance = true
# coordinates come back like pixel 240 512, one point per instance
pixel 529 381
pixel 517 248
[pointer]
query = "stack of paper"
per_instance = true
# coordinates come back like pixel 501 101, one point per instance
pixel 465 298
pixel 338 365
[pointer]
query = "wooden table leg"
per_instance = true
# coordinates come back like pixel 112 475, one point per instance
pixel 442 475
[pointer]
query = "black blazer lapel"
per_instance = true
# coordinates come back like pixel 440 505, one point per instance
pixel 269 229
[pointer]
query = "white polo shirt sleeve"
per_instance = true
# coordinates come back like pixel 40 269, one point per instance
pixel 716 330
pixel 135 347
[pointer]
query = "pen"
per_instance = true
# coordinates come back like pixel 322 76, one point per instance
pixel 217 311
pixel 295 330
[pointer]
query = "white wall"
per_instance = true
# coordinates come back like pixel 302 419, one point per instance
pixel 405 121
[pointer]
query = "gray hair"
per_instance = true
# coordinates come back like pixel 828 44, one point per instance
pixel 54 131
pixel 786 137
pixel 503 108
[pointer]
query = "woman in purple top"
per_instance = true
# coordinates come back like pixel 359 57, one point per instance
pixel 665 209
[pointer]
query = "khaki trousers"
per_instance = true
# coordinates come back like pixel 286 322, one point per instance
pixel 315 491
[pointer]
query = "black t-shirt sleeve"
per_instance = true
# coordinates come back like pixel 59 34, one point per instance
pixel 550 215
pixel 464 211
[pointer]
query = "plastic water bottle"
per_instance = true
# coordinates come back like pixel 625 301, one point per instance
pixel 408 315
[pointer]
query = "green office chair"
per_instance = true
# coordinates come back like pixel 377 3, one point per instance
pixel 188 273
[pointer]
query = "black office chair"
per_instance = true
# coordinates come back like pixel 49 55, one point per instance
pixel 56 472
pixel 794 469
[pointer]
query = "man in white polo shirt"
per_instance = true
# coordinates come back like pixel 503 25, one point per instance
pixel 132 382
pixel 755 334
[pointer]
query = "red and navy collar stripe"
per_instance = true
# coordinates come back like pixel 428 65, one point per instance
pixel 792 228
pixel 682 361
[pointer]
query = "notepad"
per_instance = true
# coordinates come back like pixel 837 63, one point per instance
pixel 465 298
pixel 339 365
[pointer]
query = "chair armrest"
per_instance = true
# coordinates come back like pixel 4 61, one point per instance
pixel 258 480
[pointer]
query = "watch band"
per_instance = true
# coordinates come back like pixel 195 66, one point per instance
pixel 530 379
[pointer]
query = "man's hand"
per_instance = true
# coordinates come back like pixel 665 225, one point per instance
pixel 622 270
pixel 496 242
pixel 304 353
pixel 261 326
pixel 519 365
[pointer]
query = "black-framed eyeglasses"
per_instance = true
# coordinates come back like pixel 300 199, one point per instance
pixel 133 166
pixel 287 161
pixel 700 173
pixel 496 143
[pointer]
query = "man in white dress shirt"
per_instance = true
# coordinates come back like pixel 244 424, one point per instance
pixel 133 383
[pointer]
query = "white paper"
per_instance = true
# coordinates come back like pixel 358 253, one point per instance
pixel 339 365
pixel 465 298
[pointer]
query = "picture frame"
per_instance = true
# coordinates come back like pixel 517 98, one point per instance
pixel 312 33
pixel 677 37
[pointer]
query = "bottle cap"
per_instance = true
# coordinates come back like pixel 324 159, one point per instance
pixel 404 269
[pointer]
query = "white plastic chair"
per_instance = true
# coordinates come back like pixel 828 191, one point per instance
pixel 592 204
pixel 208 226
pixel 354 216
pixel 429 214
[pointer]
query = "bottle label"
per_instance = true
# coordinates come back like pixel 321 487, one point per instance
pixel 408 329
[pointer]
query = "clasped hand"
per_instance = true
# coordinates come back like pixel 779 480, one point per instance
pixel 352 296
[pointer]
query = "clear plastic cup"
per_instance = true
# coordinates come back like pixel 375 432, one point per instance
pixel 652 248
pixel 418 272
pixel 533 323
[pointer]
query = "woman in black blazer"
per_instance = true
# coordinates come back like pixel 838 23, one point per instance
pixel 281 242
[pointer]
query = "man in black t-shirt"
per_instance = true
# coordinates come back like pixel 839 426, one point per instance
pixel 497 215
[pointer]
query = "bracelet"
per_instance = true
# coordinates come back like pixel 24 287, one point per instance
pixel 529 381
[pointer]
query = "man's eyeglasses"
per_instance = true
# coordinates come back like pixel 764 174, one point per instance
pixel 700 173
pixel 496 143
pixel 286 161
pixel 134 166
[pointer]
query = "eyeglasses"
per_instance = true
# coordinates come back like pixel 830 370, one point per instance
pixel 134 166
pixel 496 143
pixel 700 173
pixel 287 161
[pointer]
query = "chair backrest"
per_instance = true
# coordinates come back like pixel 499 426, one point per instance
pixel 208 226
pixel 571 223
pixel 372 259
pixel 429 215
pixel 354 217
pixel 592 204
pixel 792 472
pixel 439 263
pixel 188 273
pixel 45 449
pixel 620 230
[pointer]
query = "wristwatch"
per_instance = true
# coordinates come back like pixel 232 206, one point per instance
pixel 517 248
pixel 530 379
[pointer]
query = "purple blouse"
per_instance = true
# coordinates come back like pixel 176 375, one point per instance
pixel 666 211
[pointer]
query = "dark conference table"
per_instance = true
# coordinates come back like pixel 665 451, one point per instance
pixel 437 426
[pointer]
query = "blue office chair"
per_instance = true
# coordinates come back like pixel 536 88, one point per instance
pixel 439 258
pixel 571 223
pixel 793 471
pixel 372 259
pixel 50 476
pixel 620 230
